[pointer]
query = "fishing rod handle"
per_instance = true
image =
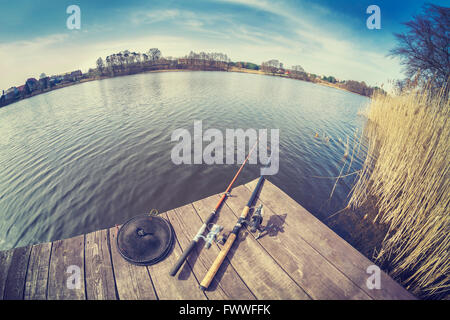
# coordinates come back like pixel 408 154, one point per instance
pixel 223 253
pixel 182 258
pixel 217 263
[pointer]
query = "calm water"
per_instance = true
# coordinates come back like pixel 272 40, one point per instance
pixel 93 155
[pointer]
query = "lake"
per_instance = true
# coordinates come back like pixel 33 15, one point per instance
pixel 95 154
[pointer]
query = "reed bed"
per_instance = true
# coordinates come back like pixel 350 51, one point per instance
pixel 407 170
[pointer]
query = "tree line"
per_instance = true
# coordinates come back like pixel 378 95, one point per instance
pixel 276 67
pixel 127 62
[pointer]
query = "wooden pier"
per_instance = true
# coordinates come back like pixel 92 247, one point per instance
pixel 300 258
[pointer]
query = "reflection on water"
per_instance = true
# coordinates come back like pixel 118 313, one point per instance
pixel 93 155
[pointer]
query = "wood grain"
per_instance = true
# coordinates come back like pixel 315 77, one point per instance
pixel 67 259
pixel 182 287
pixel 100 283
pixel 37 275
pixel 132 282
pixel 15 280
pixel 5 262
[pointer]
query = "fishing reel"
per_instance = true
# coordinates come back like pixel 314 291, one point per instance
pixel 212 235
pixel 254 224
pixel 256 221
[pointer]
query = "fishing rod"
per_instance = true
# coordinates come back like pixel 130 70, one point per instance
pixel 202 229
pixel 233 235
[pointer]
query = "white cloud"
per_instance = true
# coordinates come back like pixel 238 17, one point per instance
pixel 23 59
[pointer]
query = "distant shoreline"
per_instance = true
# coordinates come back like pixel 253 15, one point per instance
pixel 232 69
pixel 324 83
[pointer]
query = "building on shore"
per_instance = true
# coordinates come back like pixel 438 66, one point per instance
pixel 72 76
pixel 76 75
pixel 44 83
pixel 22 91
pixel 54 80
pixel 11 94
pixel 32 85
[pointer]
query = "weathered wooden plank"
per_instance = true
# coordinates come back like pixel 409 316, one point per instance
pixel 66 275
pixel 186 223
pixel 132 282
pixel 255 266
pixel 37 274
pixel 336 250
pixel 320 279
pixel 100 284
pixel 183 287
pixel 5 261
pixel 15 280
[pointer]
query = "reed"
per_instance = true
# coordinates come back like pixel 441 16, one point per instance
pixel 407 170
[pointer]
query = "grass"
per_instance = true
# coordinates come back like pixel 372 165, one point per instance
pixel 407 171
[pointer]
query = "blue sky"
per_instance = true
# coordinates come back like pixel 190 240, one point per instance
pixel 325 37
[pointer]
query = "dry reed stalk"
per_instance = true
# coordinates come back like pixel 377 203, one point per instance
pixel 407 170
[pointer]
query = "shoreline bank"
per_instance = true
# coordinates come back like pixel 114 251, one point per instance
pixel 233 69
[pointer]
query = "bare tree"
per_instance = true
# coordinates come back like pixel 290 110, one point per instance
pixel 271 66
pixel 424 47
pixel 205 60
pixel 100 65
pixel 298 68
pixel 154 54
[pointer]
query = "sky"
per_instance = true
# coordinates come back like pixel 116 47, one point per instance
pixel 325 37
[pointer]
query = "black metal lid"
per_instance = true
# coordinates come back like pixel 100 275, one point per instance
pixel 145 239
